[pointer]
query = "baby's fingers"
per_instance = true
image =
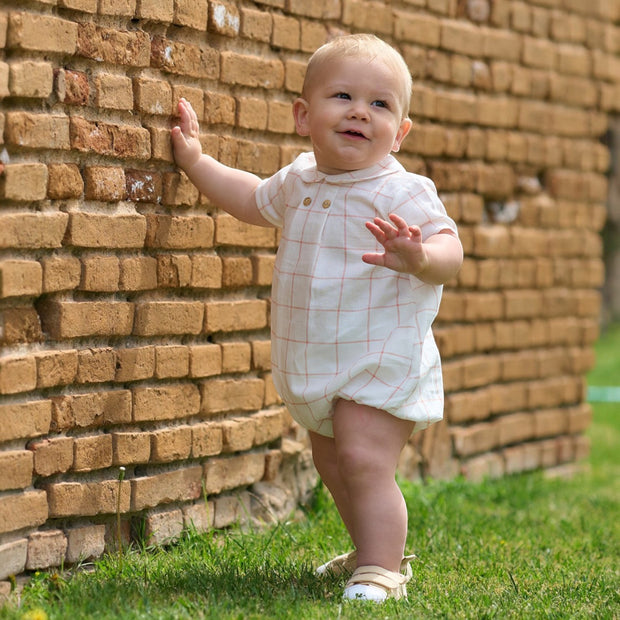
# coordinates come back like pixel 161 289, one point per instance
pixel 189 120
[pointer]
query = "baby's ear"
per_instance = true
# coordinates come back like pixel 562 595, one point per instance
pixel 401 134
pixel 300 114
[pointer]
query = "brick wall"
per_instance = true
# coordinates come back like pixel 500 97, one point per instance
pixel 134 316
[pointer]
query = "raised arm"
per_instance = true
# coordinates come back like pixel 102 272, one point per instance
pixel 228 188
pixel 434 261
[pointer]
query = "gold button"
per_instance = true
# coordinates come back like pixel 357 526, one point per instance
pixel 307 200
pixel 327 204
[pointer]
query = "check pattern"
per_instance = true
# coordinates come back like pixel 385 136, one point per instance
pixel 342 328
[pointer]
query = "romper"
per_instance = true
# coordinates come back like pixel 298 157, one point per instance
pixel 342 328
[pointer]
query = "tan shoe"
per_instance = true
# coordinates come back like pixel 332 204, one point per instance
pixel 340 565
pixel 375 583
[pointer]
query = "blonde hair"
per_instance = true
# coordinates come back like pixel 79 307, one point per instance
pixel 365 46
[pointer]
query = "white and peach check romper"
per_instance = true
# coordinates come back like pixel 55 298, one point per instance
pixel 342 328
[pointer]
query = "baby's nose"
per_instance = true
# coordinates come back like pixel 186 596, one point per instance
pixel 359 109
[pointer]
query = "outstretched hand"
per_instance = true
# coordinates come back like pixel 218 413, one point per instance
pixel 185 143
pixel 404 250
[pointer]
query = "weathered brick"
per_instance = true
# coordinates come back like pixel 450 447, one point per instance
pixel 20 278
pixel 206 271
pixel 143 186
pixel 53 455
pixel 96 365
pixel 168 317
pixel 94 230
pixel 184 59
pixel 207 439
pixel 124 141
pixel 16 466
pixel 42 33
pixel 135 363
pixel 230 231
pixel 268 426
pixel 220 395
pixel 64 181
pixel 114 92
pixel 91 410
pixel 230 316
pixel 256 25
pixel 84 543
pixel 94 452
pixel 153 96
pixel 150 491
pixel 171 361
pixel 32 230
pixel 68 319
pixel 105 183
pixel 138 273
pixel 112 46
pixel 56 368
pixel 71 499
pixel 224 18
pixel 37 131
pixel 72 87
pixel 46 549
pixel 22 510
pixel 371 16
pixel 251 70
pixel 31 79
pixel 13 557
pixel 176 232
pixel 129 448
pixel 166 402
pixel 171 444
pixel 229 473
pixel 60 273
pixel 17 374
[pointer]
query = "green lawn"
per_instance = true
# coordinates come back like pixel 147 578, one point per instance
pixel 526 546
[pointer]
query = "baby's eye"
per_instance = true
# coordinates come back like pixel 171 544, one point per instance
pixel 342 96
pixel 380 104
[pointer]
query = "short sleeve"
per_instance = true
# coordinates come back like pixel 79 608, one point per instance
pixel 271 196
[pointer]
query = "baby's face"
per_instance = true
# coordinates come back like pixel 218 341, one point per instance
pixel 353 115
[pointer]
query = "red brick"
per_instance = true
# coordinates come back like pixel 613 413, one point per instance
pixel 116 47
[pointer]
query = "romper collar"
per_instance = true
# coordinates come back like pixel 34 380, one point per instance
pixel 310 174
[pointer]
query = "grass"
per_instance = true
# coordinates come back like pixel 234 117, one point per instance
pixel 526 546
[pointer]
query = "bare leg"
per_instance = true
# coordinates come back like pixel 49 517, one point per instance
pixel 368 444
pixel 326 463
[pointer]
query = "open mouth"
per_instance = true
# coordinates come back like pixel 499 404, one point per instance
pixel 354 134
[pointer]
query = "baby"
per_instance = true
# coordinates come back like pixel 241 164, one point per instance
pixel 365 249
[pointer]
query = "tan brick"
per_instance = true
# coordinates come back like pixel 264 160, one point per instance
pixel 53 455
pixel 135 363
pixel 206 271
pixel 205 360
pixel 521 458
pixel 252 113
pixel 155 10
pixel 93 230
pixel 64 181
pixel 261 354
pixel 219 395
pixel 129 448
pixel 474 439
pixel 166 402
pixel 114 92
pixel 230 231
pixel 417 28
pixel 229 473
pixel 138 273
pixel 91 410
pixel 173 232
pixel 60 273
pixel 46 549
pixel 262 265
pixel 236 357
pixel 191 13
pixel 171 361
pixel 207 439
pixel 41 33
pixel 224 18
pixel 56 368
pixel 37 131
pixel 106 183
pixel 235 316
pixel 116 47
pixel 251 70
pixel 32 230
pixel 24 182
pixel 180 485
pixel 13 557
pixel 94 452
pixel 199 516
pixel 256 25
pixel 29 78
pixel 371 16
pixel 481 467
pixel 100 273
pixel 93 318
pixel 96 365
pixel 286 33
pixel 168 317
pixel 122 141
pixel 269 426
pixel 153 96
pixel 238 434
pixel 171 444
pixel 16 466
pixel 467 406
pixel 72 499
pixel 164 526
pixel 184 59
pixel 17 374
pixel 20 278
pixel 22 510
pixel 25 420
pixel 174 270
pixel 260 158
pixel 84 543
